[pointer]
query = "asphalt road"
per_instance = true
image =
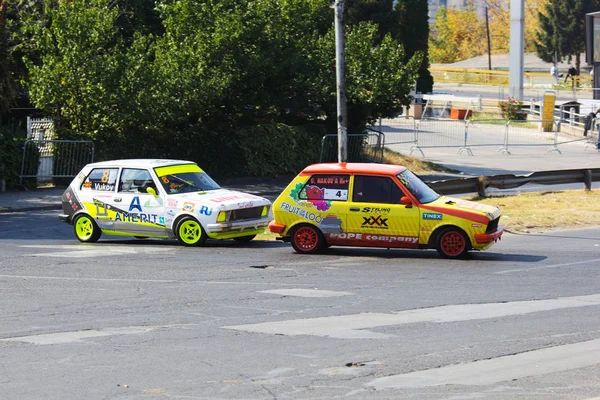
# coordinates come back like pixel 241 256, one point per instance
pixel 148 319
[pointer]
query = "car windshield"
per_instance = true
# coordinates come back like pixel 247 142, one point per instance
pixel 187 182
pixel 417 187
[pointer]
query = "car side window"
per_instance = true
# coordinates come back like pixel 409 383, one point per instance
pixel 375 189
pixel 326 187
pixel 135 181
pixel 100 179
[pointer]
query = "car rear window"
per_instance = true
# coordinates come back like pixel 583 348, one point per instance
pixel 326 187
pixel 101 179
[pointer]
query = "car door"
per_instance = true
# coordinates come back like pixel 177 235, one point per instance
pixel 377 214
pixel 137 211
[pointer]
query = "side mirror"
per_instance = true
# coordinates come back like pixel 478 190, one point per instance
pixel 151 191
pixel 406 201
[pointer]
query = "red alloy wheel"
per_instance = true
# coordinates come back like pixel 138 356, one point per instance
pixel 307 239
pixel 452 244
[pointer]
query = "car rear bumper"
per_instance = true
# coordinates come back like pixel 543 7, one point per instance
pixel 64 218
pixel 276 228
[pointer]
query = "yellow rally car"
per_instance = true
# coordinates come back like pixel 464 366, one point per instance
pixel 378 205
pixel 159 198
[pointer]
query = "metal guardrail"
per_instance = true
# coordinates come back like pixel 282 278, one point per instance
pixel 509 181
pixel 46 159
pixel 501 78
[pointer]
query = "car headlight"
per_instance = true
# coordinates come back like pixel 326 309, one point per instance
pixel 222 217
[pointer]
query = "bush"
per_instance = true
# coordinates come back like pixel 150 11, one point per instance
pixel 223 152
pixel 12 140
pixel 275 149
pixel 511 109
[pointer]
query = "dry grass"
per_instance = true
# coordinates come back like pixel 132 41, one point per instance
pixel 544 211
pixel 414 164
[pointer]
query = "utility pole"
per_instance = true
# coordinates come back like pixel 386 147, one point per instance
pixel 517 45
pixel 340 66
pixel 487 31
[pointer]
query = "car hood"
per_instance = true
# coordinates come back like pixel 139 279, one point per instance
pixel 223 199
pixel 447 204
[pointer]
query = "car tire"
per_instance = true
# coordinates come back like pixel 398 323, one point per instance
pixel 244 239
pixel 190 232
pixel 86 229
pixel 452 243
pixel 307 239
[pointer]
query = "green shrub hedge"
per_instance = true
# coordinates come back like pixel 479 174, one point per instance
pixel 263 150
pixel 12 140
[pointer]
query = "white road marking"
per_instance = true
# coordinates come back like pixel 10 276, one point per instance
pixel 550 266
pixel 354 326
pixel 68 278
pixel 77 336
pixel 306 292
pixel 273 374
pixel 506 368
pixel 83 251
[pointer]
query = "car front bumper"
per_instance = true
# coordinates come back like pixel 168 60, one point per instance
pixel 484 238
pixel 237 226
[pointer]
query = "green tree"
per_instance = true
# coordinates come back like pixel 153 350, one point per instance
pixel 456 36
pixel 380 12
pixel 413 32
pixel 378 80
pixel 209 68
pixel 562 27
pixel 7 87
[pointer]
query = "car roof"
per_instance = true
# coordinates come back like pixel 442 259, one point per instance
pixel 139 163
pixel 352 168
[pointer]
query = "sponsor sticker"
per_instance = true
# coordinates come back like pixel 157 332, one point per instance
pixel 205 210
pixel 374 238
pixel 435 216
pixel 301 212
pixel 245 204
pixel 376 210
pixel 375 222
pixel 188 207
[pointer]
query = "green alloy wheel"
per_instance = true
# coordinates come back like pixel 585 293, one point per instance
pixel 190 232
pixel 86 229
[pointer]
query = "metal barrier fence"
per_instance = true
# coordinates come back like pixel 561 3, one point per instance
pixel 510 181
pixel 367 147
pixel 465 135
pixel 398 130
pixel 47 159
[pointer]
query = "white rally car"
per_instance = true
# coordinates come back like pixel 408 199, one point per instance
pixel 160 199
